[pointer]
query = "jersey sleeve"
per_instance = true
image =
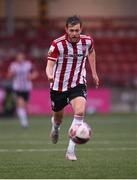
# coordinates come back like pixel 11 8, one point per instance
pixel 30 66
pixel 53 52
pixel 91 46
pixel 12 67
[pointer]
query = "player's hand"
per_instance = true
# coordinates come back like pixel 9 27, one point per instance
pixel 29 77
pixel 32 76
pixel 96 80
pixel 51 79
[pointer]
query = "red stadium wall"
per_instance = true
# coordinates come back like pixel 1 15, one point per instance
pixel 101 8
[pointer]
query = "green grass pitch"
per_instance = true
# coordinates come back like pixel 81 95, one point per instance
pixel 110 154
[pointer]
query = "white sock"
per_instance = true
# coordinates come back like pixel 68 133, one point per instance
pixel 76 120
pixel 22 115
pixel 71 146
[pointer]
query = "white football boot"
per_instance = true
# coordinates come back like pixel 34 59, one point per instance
pixel 71 156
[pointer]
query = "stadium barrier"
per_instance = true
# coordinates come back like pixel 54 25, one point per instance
pixel 97 101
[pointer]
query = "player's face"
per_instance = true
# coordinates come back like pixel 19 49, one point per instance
pixel 74 32
pixel 20 57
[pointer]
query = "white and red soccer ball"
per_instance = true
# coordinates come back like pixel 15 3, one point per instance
pixel 80 133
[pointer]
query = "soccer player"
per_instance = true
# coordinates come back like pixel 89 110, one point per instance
pixel 22 72
pixel 67 76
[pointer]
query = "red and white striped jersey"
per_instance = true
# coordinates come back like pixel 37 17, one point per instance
pixel 70 58
pixel 20 78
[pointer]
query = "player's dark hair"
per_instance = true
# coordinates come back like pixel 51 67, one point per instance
pixel 73 20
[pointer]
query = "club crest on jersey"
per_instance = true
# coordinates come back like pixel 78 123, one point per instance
pixel 52 103
pixel 85 93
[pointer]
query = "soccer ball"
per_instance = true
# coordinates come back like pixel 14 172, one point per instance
pixel 80 133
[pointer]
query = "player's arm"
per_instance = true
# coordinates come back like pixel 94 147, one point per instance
pixel 11 73
pixel 53 54
pixel 33 73
pixel 50 70
pixel 92 62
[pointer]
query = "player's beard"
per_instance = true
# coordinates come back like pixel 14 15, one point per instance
pixel 74 39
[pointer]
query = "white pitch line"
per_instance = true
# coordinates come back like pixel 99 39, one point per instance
pixel 63 150
pixel 33 142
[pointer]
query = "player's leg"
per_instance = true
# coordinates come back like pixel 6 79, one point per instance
pixel 58 117
pixel 78 103
pixel 78 106
pixel 56 122
pixel 58 102
pixel 21 111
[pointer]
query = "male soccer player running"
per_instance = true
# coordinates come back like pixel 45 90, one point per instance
pixel 22 73
pixel 67 76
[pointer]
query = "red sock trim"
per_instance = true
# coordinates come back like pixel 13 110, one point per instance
pixel 78 117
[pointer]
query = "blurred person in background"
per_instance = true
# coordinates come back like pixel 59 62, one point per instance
pixel 66 73
pixel 22 72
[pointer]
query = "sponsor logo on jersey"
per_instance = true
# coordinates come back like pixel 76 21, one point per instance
pixel 72 55
pixel 51 49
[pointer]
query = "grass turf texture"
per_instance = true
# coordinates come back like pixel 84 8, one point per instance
pixel 28 153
